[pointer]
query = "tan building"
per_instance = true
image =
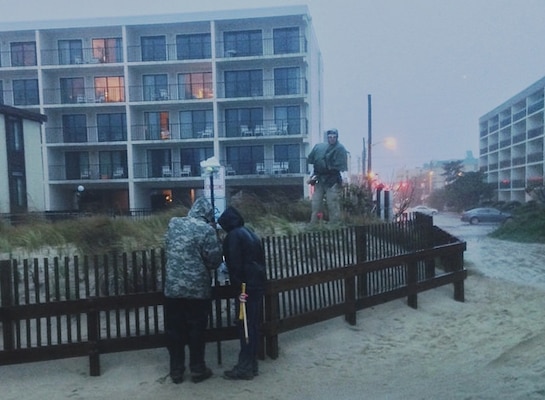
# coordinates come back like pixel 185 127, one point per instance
pixel 21 167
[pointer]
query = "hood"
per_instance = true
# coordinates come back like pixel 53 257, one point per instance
pixel 230 219
pixel 202 209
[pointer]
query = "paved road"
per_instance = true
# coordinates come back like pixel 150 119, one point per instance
pixel 522 263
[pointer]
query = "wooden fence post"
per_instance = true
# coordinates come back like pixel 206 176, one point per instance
pixel 412 279
pixel 350 299
pixel 93 335
pixel 361 256
pixel 6 288
pixel 271 321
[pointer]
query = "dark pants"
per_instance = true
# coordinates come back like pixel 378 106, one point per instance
pixel 247 357
pixel 185 323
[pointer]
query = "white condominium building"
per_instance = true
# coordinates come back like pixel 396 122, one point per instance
pixel 133 105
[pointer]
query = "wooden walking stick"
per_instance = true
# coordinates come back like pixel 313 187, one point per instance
pixel 242 313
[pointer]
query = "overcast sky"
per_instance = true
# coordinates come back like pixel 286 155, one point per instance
pixel 432 67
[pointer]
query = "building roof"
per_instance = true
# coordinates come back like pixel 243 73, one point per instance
pixel 156 19
pixel 18 112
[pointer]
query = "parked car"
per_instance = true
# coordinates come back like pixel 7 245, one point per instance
pixel 485 214
pixel 423 209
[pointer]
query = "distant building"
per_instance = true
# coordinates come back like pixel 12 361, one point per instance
pixel 21 167
pixel 511 144
pixel 135 104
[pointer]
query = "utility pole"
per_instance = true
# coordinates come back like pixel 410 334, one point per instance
pixel 369 136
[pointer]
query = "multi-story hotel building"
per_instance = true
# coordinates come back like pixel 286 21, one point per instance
pixel 511 144
pixel 134 104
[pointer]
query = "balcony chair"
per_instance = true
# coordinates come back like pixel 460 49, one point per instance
pixel 245 131
pixel 167 171
pixel 186 170
pixel 260 168
pixel 84 174
pixel 119 172
pixel 230 171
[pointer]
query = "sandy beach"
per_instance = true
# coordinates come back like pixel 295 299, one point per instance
pixel 492 346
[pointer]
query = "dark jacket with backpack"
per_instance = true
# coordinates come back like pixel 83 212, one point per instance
pixel 243 253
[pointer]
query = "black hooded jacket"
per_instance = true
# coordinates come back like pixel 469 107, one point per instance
pixel 243 252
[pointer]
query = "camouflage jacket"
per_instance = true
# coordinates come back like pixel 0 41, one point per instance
pixel 193 251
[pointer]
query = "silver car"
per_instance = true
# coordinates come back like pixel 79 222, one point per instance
pixel 485 214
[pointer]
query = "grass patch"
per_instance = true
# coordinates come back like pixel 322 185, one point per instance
pixel 527 226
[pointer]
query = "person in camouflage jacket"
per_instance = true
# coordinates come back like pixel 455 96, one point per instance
pixel 193 251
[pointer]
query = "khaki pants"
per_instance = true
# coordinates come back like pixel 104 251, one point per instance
pixel 332 195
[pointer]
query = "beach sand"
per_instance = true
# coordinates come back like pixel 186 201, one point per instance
pixel 492 346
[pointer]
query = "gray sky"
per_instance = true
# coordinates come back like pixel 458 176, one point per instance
pixel 432 67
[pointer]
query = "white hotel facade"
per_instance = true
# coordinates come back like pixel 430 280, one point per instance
pixel 134 104
pixel 511 144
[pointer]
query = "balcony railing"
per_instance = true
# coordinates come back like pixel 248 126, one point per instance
pixel 107 55
pixel 87 172
pixel 171 92
pixel 535 132
pixel 265 88
pixel 263 47
pixel 88 95
pixel 90 134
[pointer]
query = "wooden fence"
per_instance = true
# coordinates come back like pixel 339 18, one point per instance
pixel 91 305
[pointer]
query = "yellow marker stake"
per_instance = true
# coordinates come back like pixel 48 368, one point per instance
pixel 242 314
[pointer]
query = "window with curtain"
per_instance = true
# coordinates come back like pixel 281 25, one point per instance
pixel 74 128
pixel 244 43
pixel 196 85
pixel 193 46
pixel 154 48
pixel 244 83
pixel 155 86
pixel 235 117
pixel 23 54
pixel 286 40
pixel 244 158
pixel 16 163
pixel 112 127
pixel 110 89
pixel 155 124
pixel 107 50
pixel 70 52
pixel 72 90
pixel 195 121
pixel 25 92
pixel 287 81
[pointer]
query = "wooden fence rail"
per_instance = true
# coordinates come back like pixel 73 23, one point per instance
pixel 91 305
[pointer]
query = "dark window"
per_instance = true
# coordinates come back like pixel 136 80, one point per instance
pixel 70 52
pixel 286 40
pixel 77 165
pixel 107 50
pixel 243 43
pixel 244 83
pixel 157 159
pixel 154 48
pixel 113 164
pixel 112 127
pixel 244 158
pixel 194 156
pixel 192 47
pixel 288 118
pixel 74 128
pixel 1 93
pixel 195 123
pixel 234 118
pixel 155 87
pixel 72 90
pixel 286 81
pixel 23 54
pixel 25 92
pixel 289 153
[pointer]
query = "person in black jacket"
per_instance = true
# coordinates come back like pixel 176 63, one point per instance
pixel 245 261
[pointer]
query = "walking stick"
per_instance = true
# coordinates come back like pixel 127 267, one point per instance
pixel 242 313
